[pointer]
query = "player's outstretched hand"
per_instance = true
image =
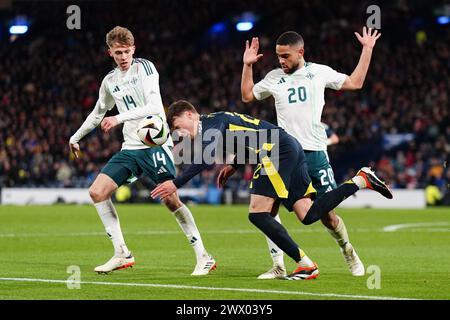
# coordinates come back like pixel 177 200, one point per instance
pixel 251 55
pixel 74 148
pixel 163 190
pixel 224 174
pixel 368 39
pixel 108 123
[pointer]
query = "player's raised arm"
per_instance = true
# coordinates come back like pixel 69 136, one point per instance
pixel 104 103
pixel 250 57
pixel 368 39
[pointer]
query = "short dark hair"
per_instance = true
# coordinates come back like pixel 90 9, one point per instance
pixel 290 38
pixel 177 108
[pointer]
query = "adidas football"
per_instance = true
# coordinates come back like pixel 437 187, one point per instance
pixel 153 131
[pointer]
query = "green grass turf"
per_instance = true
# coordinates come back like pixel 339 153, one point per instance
pixel 42 241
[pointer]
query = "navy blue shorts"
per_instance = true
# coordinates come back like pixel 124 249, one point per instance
pixel 282 173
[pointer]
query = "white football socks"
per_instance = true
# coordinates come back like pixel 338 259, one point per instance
pixel 275 252
pixel 186 222
pixel 110 220
pixel 340 233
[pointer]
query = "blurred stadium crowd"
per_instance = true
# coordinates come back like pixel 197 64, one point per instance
pixel 49 80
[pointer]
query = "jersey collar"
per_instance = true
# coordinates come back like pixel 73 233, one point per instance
pixel 305 64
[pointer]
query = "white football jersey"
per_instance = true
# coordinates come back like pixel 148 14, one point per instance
pixel 299 100
pixel 136 94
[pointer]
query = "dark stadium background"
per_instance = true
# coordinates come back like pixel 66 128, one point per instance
pixel 50 76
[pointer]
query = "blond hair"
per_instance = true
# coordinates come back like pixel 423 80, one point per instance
pixel 121 35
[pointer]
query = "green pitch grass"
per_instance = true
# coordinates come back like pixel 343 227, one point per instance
pixel 41 242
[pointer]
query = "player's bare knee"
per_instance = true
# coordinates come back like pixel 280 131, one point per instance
pixel 326 220
pixel 97 194
pixel 173 202
pixel 94 194
pixel 259 207
pixel 330 220
pixel 102 188
pixel 261 204
pixel 301 208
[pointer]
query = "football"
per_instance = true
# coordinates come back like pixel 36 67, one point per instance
pixel 153 131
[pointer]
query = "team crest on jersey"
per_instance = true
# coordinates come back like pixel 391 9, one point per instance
pixel 309 75
pixel 134 81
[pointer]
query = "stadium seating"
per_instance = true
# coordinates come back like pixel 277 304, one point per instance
pixel 49 85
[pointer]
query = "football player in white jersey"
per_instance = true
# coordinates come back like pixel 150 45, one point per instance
pixel 298 88
pixel 133 86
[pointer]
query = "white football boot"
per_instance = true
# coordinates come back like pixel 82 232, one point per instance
pixel 277 272
pixel 116 263
pixel 204 266
pixel 354 264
